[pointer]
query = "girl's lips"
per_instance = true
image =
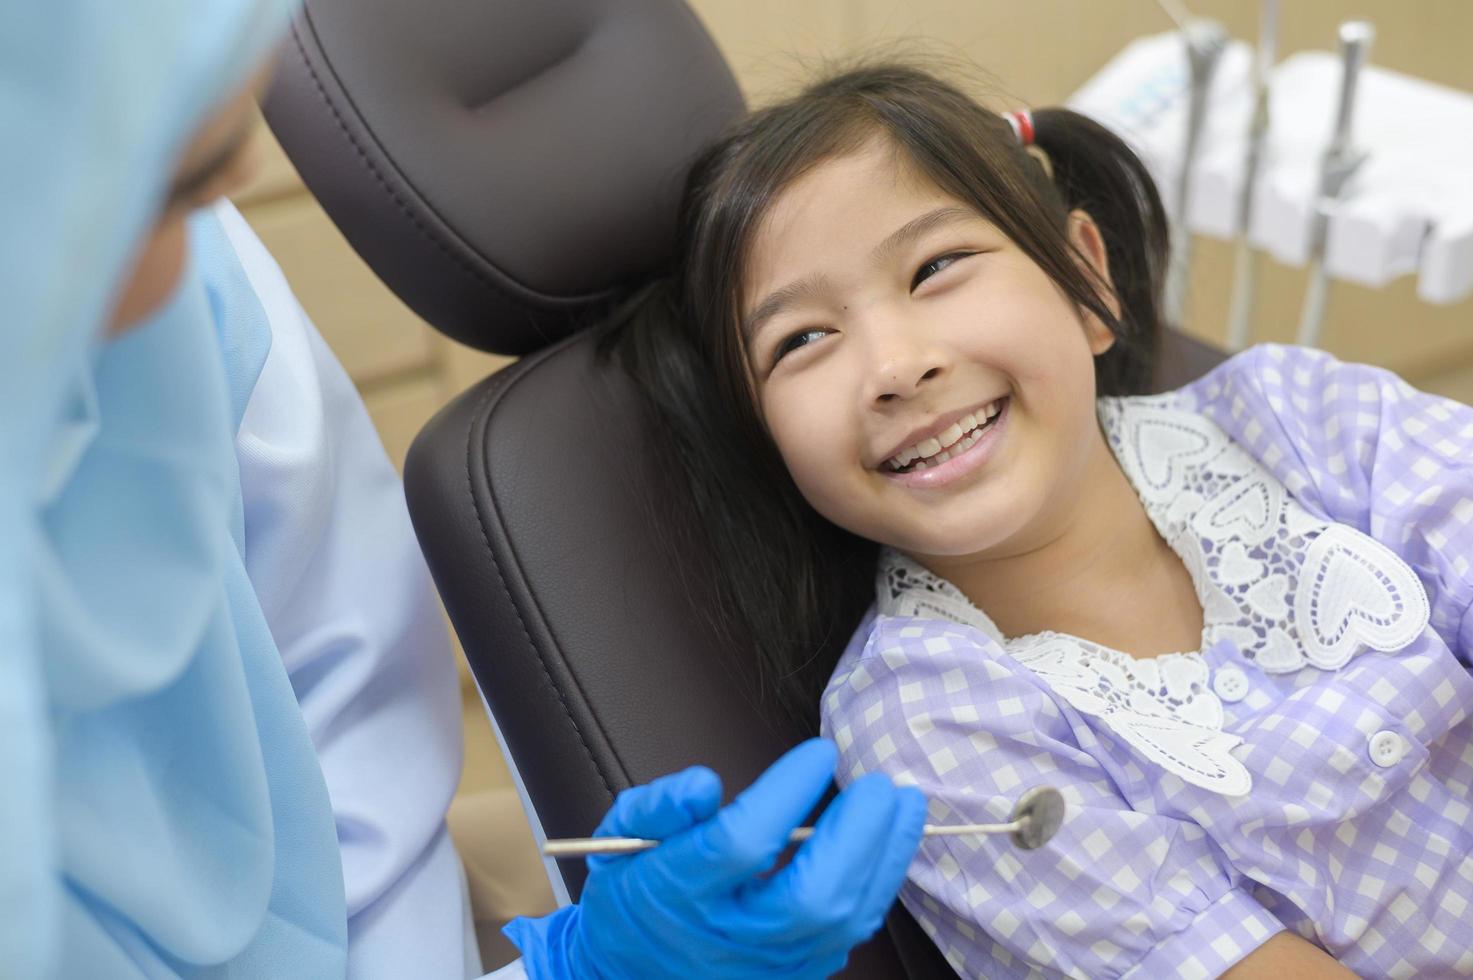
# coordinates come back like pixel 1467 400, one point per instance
pixel 961 465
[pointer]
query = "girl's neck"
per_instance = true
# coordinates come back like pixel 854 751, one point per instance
pixel 1102 573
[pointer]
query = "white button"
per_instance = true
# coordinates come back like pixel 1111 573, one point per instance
pixel 1387 749
pixel 1230 684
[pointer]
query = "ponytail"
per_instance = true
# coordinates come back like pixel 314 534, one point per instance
pixel 1095 171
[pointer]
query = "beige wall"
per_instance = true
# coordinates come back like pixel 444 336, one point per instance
pixel 1037 51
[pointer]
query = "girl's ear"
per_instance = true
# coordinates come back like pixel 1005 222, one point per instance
pixel 1094 262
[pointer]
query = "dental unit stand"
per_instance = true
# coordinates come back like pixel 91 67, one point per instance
pixel 1340 162
pixel 1205 41
pixel 1409 213
pixel 1245 265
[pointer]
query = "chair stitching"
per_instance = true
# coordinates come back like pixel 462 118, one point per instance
pixel 526 634
pixel 403 206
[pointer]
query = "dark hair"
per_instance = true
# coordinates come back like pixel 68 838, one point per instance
pixel 791 585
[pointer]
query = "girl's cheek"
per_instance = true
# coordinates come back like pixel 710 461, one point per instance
pixel 811 421
pixel 802 446
pixel 789 441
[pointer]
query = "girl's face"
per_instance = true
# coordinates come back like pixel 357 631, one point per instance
pixel 927 385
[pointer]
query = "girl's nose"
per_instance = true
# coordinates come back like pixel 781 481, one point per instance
pixel 901 370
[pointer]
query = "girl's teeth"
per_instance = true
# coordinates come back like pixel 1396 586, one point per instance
pixel 957 439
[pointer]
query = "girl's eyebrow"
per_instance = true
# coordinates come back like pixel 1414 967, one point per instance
pixel 780 299
pixel 916 227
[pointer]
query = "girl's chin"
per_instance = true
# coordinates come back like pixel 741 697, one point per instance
pixel 954 548
pixel 1009 532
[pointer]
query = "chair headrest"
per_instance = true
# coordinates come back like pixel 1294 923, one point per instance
pixel 501 166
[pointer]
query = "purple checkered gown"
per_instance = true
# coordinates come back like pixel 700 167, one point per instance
pixel 1309 768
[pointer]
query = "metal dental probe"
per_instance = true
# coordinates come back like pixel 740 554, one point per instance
pixel 1245 266
pixel 1339 164
pixel 1036 818
pixel 1205 42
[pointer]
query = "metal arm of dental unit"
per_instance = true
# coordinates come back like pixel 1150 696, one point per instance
pixel 1407 209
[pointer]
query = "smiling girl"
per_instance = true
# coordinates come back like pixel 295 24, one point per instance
pixel 902 356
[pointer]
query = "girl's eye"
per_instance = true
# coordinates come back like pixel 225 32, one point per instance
pixel 800 339
pixel 930 268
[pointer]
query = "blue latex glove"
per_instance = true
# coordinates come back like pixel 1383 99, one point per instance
pixel 699 905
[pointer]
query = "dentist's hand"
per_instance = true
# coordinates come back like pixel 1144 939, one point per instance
pixel 699 905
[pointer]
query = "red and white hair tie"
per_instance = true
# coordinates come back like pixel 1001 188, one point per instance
pixel 1021 121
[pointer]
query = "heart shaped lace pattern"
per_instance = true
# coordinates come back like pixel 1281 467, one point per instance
pixel 1288 588
pixel 1354 593
pixel 1162 707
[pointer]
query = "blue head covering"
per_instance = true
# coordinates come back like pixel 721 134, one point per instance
pixel 162 812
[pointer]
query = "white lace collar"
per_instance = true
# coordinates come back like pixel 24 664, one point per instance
pixel 1287 588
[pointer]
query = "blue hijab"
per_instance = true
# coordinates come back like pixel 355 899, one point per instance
pixel 162 811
